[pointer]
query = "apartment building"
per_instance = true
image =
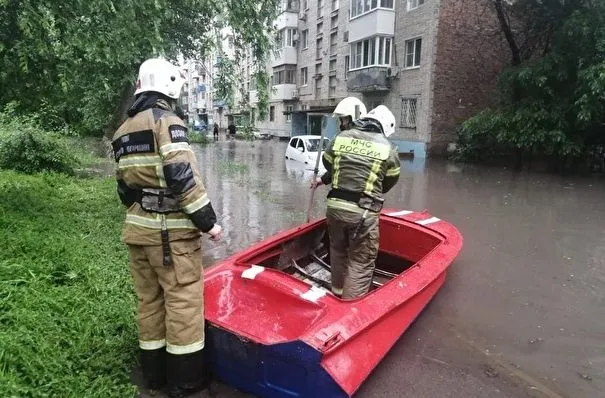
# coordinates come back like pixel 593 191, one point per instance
pixel 432 62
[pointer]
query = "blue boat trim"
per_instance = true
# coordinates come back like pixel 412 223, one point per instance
pixel 291 369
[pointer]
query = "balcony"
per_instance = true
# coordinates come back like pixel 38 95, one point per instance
pixel 284 92
pixel 284 56
pixel 373 23
pixel 372 79
pixel 287 19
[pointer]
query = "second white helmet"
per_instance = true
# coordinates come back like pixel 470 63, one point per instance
pixel 384 117
pixel 161 76
pixel 350 106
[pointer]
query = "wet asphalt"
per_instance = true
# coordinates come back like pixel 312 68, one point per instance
pixel 522 311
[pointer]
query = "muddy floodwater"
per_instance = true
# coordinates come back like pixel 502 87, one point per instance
pixel 522 312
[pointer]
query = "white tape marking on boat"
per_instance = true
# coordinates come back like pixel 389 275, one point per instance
pixel 400 213
pixel 251 272
pixel 313 294
pixel 428 221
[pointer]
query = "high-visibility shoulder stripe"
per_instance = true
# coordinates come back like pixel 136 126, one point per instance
pixel 156 223
pixel 393 172
pixel 138 161
pixel 196 205
pixel 328 157
pixel 185 349
pixel 372 177
pixel 356 146
pixel 174 147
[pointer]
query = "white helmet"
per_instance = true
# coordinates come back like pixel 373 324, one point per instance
pixel 161 76
pixel 384 117
pixel 350 106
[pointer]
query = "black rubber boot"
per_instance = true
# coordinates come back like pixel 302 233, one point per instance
pixel 153 364
pixel 187 374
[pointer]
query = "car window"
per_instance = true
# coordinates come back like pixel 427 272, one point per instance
pixel 293 142
pixel 313 144
pixel 300 144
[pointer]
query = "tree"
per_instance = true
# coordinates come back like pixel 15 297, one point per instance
pixel 75 60
pixel 553 95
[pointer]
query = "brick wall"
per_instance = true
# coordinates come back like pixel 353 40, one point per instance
pixel 470 54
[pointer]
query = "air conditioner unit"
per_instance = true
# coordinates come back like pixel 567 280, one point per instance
pixel 392 72
pixel 294 93
pixel 302 16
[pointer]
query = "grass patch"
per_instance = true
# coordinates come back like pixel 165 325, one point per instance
pixel 67 308
pixel 196 137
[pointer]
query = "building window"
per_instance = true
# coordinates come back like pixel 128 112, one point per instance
pixel 333 65
pixel 284 75
pixel 413 4
pixel 304 38
pixel 290 5
pixel 332 87
pixel 320 28
pixel 333 43
pixel 408 113
pixel 286 37
pixel 347 64
pixel 359 7
pixel 271 113
pixel 334 22
pixel 335 5
pixel 318 53
pixel 412 53
pixel 320 8
pixel 318 88
pixel 289 109
pixel 304 76
pixel 375 51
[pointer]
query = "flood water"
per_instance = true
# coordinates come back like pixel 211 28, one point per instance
pixel 522 312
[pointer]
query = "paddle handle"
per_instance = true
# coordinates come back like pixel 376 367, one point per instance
pixel 315 172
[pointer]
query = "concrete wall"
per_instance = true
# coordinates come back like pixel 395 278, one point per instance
pixel 471 53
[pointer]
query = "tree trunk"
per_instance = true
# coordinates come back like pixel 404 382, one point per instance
pixel 126 99
pixel 508 33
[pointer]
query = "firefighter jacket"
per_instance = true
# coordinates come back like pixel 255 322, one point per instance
pixel 152 153
pixel 359 162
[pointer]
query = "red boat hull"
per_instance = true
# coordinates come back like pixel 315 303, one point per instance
pixel 283 317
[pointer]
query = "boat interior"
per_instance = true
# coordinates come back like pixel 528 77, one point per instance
pixel 307 256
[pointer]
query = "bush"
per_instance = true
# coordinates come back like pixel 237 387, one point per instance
pixel 196 137
pixel 25 147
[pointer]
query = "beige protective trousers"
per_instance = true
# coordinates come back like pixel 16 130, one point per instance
pixel 352 255
pixel 170 298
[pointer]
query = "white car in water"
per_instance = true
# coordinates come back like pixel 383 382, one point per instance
pixel 305 148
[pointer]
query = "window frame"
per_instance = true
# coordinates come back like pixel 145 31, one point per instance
pixel 410 7
pixel 406 107
pixel 415 62
pixel 304 76
pixel 355 4
pixel 376 58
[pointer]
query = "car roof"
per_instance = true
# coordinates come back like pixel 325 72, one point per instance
pixel 308 137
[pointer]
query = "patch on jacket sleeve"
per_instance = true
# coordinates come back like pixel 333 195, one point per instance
pixel 178 133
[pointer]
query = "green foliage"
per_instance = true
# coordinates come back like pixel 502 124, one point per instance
pixel 25 147
pixel 67 324
pixel 553 105
pixel 197 137
pixel 72 60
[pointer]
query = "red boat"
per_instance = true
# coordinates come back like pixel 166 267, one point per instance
pixel 274 329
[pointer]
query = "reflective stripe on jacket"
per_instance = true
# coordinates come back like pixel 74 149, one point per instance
pixel 360 161
pixel 152 151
